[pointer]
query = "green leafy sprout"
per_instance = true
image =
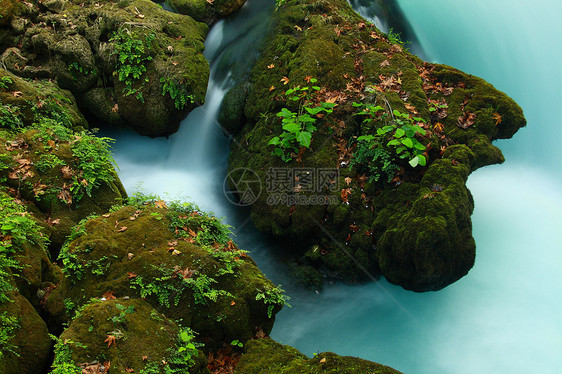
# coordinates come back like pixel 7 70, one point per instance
pixel 298 127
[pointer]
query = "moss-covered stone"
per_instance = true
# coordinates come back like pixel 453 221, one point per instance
pixel 129 63
pixel 206 11
pixel 415 227
pixel 44 170
pixel 39 98
pixel 266 356
pixel 142 339
pixel 28 350
pixel 154 253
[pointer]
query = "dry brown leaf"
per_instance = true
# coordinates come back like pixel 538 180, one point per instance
pixel 285 80
pixel 110 340
pixel 161 204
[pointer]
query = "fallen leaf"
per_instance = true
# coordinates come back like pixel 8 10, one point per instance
pixel 232 303
pixel 323 360
pixel 17 94
pixel 285 80
pixel 144 358
pixel 160 204
pixel 497 118
pixel 122 228
pixel 130 255
pixel 271 66
pixel 298 28
pixel 131 275
pixel 129 370
pixel 110 340
pixel 108 295
pixel 385 63
pixel 271 88
pixel 347 180
pixel 176 252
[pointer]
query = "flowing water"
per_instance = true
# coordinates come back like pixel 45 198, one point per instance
pixel 505 315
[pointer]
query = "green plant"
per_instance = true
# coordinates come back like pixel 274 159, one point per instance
pixel 396 138
pixel 279 3
pixel 16 228
pixel 166 287
pixel 5 81
pixel 237 343
pixel 63 363
pixel 47 162
pixel 132 49
pixel 120 319
pixel 94 163
pixel 177 91
pixel 298 126
pixel 273 297
pixel 181 357
pixel 396 38
pixel 8 326
pixel 10 117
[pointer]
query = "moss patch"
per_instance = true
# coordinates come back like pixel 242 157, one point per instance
pixel 180 261
pixel 414 223
pixel 268 356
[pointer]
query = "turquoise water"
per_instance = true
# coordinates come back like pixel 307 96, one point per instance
pixel 505 315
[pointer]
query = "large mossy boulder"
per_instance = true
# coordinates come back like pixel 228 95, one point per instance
pixel 126 336
pixel 130 63
pixel 179 259
pixel 266 356
pixel 363 149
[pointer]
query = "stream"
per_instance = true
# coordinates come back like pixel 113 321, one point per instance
pixel 505 315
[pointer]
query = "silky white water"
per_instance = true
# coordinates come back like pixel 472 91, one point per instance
pixel 505 315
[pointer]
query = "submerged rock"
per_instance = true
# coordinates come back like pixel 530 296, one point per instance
pixel 363 149
pixel 266 356
pixel 130 63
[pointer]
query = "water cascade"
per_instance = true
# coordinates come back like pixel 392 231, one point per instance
pixel 504 316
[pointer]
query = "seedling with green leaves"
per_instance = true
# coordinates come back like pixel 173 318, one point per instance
pixel 299 126
pixel 396 138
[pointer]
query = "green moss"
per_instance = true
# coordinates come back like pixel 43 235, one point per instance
pixel 24 341
pixel 269 357
pixel 138 331
pixel 179 259
pixel 382 223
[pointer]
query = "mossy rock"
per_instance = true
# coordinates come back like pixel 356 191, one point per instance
pixel 269 357
pixel 28 349
pixel 39 98
pixel 205 11
pixel 213 288
pixel 6 12
pixel 43 168
pixel 148 61
pixel 143 339
pixel 231 116
pixel 413 225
